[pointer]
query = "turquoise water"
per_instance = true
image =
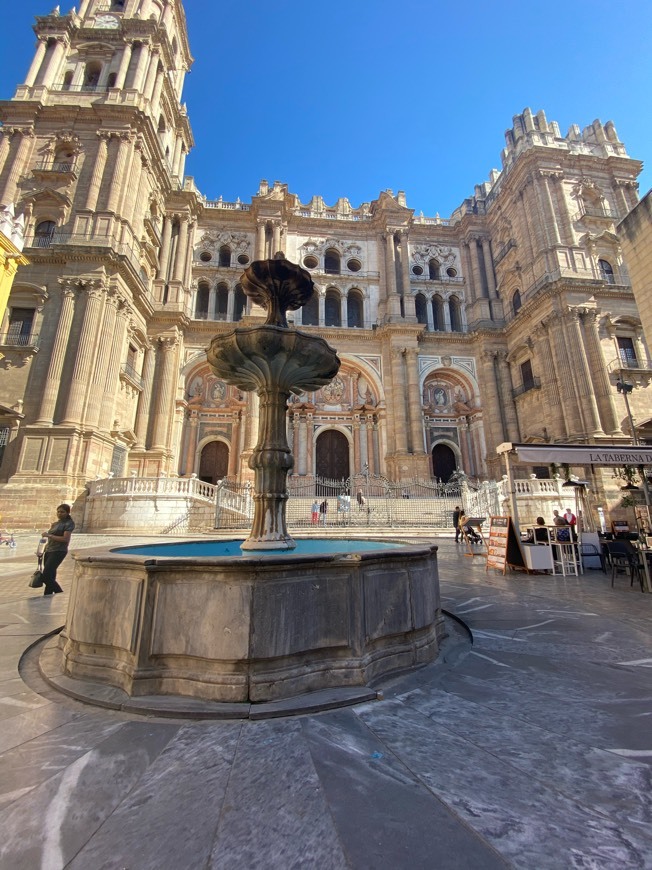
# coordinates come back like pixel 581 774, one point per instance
pixel 232 548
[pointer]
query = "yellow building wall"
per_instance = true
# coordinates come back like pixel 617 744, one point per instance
pixel 10 260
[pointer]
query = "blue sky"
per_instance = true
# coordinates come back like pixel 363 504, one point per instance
pixel 350 98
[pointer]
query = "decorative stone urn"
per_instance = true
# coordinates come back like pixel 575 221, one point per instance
pixel 275 361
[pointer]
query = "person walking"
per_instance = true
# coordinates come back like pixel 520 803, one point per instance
pixel 56 549
pixel 456 523
pixel 323 510
pixel 315 512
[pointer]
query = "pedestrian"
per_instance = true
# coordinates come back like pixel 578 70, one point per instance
pixel 558 520
pixel 405 494
pixel 56 549
pixel 360 499
pixel 570 517
pixel 456 523
pixel 468 529
pixel 314 512
pixel 323 510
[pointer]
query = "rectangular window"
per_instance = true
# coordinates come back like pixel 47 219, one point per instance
pixel 4 440
pixel 20 326
pixel 627 353
pixel 526 374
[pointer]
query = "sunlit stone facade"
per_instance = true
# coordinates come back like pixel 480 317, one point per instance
pixel 508 321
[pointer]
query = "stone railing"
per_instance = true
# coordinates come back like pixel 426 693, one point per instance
pixel 154 486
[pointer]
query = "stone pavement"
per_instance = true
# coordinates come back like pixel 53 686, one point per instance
pixel 531 748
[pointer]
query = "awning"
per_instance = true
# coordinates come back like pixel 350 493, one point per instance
pixel 580 454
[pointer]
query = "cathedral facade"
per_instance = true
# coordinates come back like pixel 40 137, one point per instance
pixel 512 320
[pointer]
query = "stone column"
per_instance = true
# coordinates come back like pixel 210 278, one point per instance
pixel 344 312
pixel 356 445
pixel 182 242
pixel 468 271
pixel 276 237
pixel 143 60
pixel 150 81
pixel 364 442
pixel 163 409
pixel 191 444
pixel 163 266
pixel 260 240
pixel 525 223
pixel 86 353
pixel 212 303
pixel 120 151
pixel 599 376
pixel 475 269
pixel 142 414
pixel 105 345
pixel 127 198
pixel 190 245
pixel 302 465
pixel 400 410
pixel 50 74
pixel 489 268
pixel 58 355
pixel 393 304
pixel 322 308
pixel 124 65
pixel 234 452
pixel 506 387
pixel 552 401
pixel 564 367
pixel 582 374
pixel 429 317
pixel 376 448
pixel 16 164
pixel 491 404
pixel 98 172
pixel 112 373
pixel 158 87
pixel 414 401
pixel 405 264
pixel 36 63
pixel 556 185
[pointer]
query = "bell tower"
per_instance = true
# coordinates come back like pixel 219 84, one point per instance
pixel 92 153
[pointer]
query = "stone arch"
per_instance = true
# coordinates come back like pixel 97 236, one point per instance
pixel 333 451
pixel 446 458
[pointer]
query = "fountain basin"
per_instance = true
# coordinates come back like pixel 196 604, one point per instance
pixel 251 627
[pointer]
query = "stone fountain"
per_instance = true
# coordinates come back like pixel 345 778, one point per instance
pixel 275 361
pixel 251 621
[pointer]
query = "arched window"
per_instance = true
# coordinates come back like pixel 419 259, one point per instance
pixel 117 6
pixel 455 310
pixel 222 301
pixel 354 310
pixel 225 255
pixel 606 271
pixel 67 80
pixel 438 320
pixel 420 308
pixel 92 75
pixel 333 309
pixel 201 302
pixel 161 127
pixel 239 303
pixel 516 301
pixel 332 262
pixel 310 311
pixel 110 82
pixel 433 270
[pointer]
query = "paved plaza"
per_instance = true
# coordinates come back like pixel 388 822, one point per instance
pixel 530 747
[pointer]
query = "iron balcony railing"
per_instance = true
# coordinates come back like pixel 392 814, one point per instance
pixel 130 372
pixel 13 339
pixel 526 386
pixel 57 166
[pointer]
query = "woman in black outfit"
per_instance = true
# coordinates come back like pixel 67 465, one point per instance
pixel 56 549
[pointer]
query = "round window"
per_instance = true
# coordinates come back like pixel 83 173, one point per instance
pixel 243 259
pixel 452 273
pixel 354 265
pixel 417 270
pixel 205 257
pixel 310 262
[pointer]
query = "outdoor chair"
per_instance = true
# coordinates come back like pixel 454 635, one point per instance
pixel 625 558
pixel 590 550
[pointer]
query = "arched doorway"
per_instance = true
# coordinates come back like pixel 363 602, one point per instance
pixel 214 462
pixel 443 462
pixel 332 453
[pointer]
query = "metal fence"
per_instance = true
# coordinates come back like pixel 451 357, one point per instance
pixel 361 500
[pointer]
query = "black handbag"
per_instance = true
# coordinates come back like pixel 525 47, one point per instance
pixel 36 580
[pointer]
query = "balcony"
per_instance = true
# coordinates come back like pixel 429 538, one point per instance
pixel 57 167
pixel 526 386
pixel 130 373
pixel 14 339
pixel 592 211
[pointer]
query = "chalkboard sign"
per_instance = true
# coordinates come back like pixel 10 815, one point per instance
pixel 504 547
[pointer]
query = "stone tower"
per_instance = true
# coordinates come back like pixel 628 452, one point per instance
pixel 92 153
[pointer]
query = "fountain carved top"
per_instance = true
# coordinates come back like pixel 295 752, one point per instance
pixel 278 286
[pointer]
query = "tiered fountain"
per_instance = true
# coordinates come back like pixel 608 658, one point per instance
pixel 260 619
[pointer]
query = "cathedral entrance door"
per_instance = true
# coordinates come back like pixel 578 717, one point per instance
pixel 214 462
pixel 332 453
pixel 443 462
